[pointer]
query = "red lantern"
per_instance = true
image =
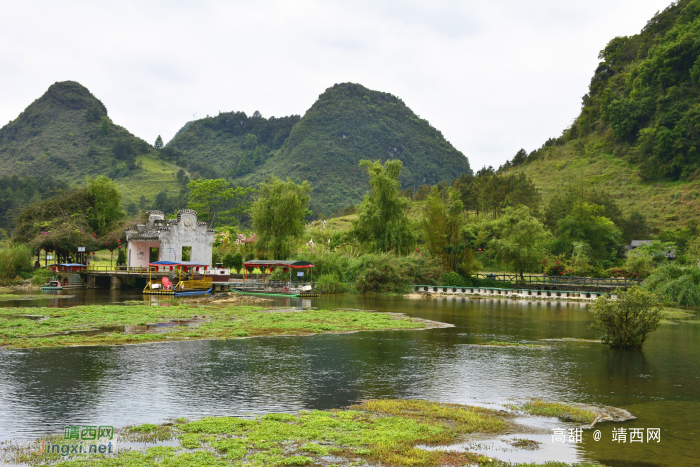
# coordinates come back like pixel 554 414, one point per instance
pixel 119 246
pixel 156 268
pixel 106 244
pixel 171 268
pixel 285 269
pixel 271 270
pixel 119 240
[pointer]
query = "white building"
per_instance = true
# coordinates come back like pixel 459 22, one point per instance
pixel 166 239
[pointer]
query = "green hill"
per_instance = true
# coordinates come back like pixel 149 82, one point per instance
pixel 67 134
pixel 347 123
pixel 638 133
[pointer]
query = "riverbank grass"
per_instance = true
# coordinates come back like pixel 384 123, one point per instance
pixel 374 432
pixel 132 324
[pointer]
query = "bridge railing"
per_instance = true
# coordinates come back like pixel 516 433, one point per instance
pixel 563 280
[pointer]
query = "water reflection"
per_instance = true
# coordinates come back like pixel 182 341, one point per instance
pixel 44 390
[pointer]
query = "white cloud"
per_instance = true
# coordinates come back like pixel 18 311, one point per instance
pixel 492 76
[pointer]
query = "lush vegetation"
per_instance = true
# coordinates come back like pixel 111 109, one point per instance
pixel 230 143
pixel 278 215
pixel 373 432
pixel 226 319
pixel 628 320
pixel 638 131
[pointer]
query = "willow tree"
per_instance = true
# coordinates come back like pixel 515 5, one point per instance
pixel 278 214
pixel 383 215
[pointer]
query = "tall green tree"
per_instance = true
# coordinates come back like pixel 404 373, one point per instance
pixel 206 196
pixel 159 143
pixel 105 199
pixel 520 238
pixel 278 214
pixel 383 215
pixel 442 225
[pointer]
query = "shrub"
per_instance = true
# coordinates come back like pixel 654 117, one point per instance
pixel 676 285
pixel 330 283
pixel 15 260
pixel 452 279
pixel 628 320
pixel 639 263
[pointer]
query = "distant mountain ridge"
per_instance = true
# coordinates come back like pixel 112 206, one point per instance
pixel 347 123
pixel 67 133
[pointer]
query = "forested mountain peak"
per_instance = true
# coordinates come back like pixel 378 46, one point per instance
pixel 639 126
pixel 67 134
pixel 350 122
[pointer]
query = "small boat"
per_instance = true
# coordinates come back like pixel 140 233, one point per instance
pixel 219 274
pixel 53 284
pixel 190 277
pixel 192 292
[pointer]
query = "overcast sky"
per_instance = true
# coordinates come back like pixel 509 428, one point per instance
pixel 493 76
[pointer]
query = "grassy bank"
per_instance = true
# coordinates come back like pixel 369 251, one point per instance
pixel 375 432
pixel 223 319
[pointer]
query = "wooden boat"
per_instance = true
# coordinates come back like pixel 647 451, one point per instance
pixel 183 273
pixel 53 284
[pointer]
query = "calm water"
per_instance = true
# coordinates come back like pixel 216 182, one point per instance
pixel 43 390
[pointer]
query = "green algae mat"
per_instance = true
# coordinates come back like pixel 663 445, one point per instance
pixel 372 433
pixel 133 324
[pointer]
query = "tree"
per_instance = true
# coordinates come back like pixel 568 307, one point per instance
pixel 383 214
pixel 159 143
pixel 442 225
pixel 206 195
pixel 628 320
pixel 586 223
pixel 520 238
pixel 105 199
pixel 278 214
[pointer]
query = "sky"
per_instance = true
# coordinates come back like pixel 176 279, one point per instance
pixel 493 76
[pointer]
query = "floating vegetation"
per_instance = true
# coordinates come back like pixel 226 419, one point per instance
pixel 523 443
pixel 567 412
pixel 374 432
pixel 678 316
pixel 132 324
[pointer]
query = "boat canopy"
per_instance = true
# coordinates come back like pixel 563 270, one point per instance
pixel 66 267
pixel 262 263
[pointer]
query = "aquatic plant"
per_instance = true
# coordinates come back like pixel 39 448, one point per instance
pixel 67 326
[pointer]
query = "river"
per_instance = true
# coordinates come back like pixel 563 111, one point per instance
pixel 43 390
